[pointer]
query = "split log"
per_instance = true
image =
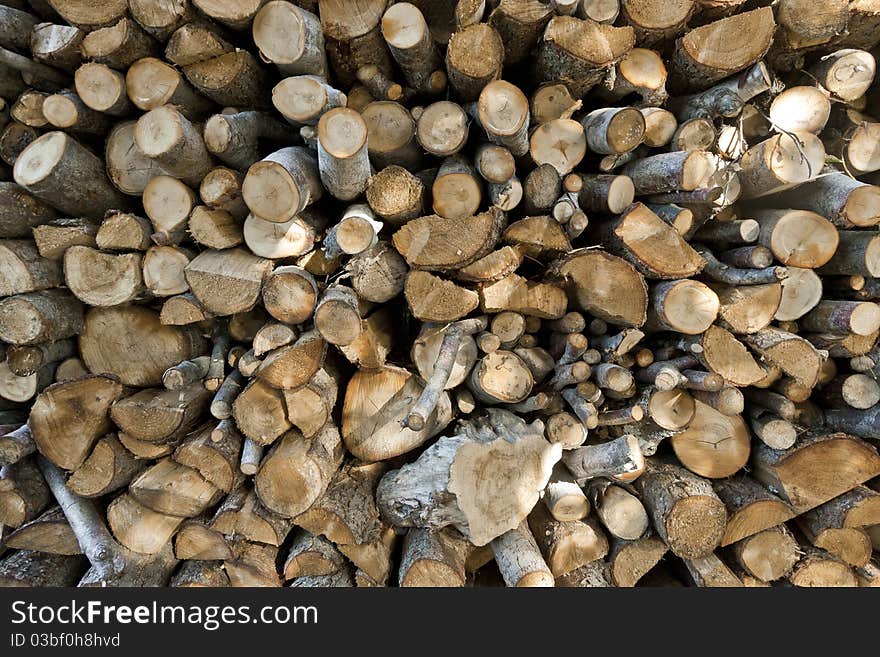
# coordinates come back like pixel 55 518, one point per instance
pixel 233 79
pixel 144 347
pixel 80 406
pixel 57 45
pixel 632 560
pixel 706 54
pixel 297 471
pixel 49 533
pixel 23 493
pixel 109 467
pixel 312 556
pixel 374 410
pixel 820 569
pixel 800 474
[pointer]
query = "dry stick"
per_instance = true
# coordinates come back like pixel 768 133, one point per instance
pixel 15 445
pixel 430 396
pixel 251 455
pixel 47 75
pixel 112 563
pixel 722 273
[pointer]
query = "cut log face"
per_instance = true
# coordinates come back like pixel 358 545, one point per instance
pixel 141 349
pixel 643 237
pixel 297 471
pixel 593 278
pixel 434 243
pixel 713 445
pixel 375 405
pixel 74 409
pixel 836 462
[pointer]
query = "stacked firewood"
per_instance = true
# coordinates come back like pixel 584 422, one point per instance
pixel 330 293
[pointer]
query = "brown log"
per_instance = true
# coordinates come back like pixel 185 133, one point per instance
pixel 297 471
pixel 110 466
pixel 138 331
pixel 785 471
pixel 49 533
pixel 23 493
pixel 672 495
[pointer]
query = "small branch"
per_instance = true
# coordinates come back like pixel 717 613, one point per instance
pixel 427 401
pixel 99 546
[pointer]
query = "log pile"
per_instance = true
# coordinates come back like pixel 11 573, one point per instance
pixel 513 292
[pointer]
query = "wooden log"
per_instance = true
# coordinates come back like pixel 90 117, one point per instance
pixel 109 466
pixel 195 42
pixel 81 404
pixel 821 569
pixel 233 79
pixel 768 555
pixel 102 89
pixel 780 162
pixel 353 38
pixel 783 471
pixel 140 332
pixel 282 185
pixel 568 545
pixel 103 279
pixel 520 560
pixel 296 472
pixel 57 45
pixel 433 559
pixel 375 435
pixel 621 512
pixel 49 533
pixel 614 130
pixel 66 110
pixel 672 495
pixel 560 143
pixel 630 561
pixel 25 270
pixel 61 171
pixel 21 211
pixel 442 128
pixel 25 360
pixel 243 516
pixel 23 493
pixel 391 132
pixel 38 317
pixel 290 37
pixel 31 568
pixel 710 571
pixel 409 39
pixel 564 53
pixel 233 138
pixel 453 460
pixel 564 499
pixel 704 55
